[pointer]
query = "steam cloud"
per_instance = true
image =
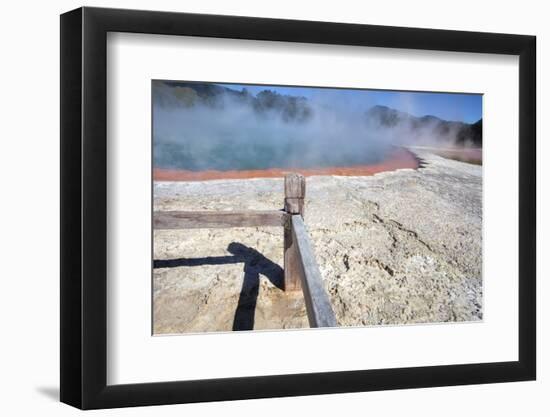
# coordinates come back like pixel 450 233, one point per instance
pixel 205 126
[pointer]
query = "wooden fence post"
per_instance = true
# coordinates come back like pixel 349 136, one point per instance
pixel 295 190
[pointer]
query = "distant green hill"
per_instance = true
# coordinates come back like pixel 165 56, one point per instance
pixel 185 94
pixel 462 133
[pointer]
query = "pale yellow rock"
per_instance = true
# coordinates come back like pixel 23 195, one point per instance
pixel 398 248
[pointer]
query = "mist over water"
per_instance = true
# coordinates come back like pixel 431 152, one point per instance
pixel 199 127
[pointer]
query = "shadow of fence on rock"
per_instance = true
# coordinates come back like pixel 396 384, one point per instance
pixel 255 264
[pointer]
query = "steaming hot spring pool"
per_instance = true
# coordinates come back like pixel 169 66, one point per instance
pixel 177 165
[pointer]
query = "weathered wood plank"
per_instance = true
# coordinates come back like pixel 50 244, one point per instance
pixel 295 192
pixel 217 219
pixel 292 264
pixel 319 309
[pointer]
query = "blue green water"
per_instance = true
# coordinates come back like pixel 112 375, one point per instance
pixel 232 155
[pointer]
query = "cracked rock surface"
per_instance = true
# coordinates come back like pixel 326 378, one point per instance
pixel 395 248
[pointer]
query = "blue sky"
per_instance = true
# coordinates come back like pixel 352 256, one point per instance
pixel 448 106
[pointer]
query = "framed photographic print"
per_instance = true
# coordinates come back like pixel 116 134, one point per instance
pixel 257 207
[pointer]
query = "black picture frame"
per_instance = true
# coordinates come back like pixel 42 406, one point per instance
pixel 84 207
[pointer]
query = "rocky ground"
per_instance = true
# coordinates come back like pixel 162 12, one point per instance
pixel 394 248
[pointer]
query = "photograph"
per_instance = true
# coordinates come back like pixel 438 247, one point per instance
pixel 389 203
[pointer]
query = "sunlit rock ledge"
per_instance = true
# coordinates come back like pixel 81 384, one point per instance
pixel 398 247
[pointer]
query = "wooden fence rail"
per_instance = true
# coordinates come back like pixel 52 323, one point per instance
pixel 300 267
pixel 319 309
pixel 218 219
